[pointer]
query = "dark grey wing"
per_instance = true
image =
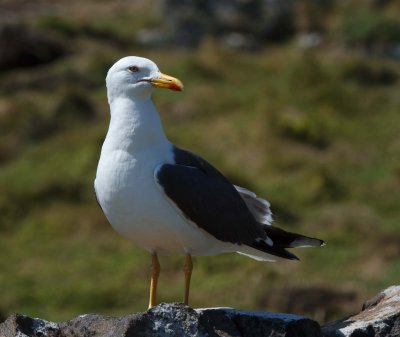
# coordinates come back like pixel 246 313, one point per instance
pixel 212 204
pixel 186 158
pixel 228 212
pixel 215 206
pixel 259 208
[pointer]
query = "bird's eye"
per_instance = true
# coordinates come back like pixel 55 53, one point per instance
pixel 133 69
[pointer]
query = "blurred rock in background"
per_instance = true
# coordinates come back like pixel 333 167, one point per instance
pixel 22 47
pixel 239 24
pixel 253 24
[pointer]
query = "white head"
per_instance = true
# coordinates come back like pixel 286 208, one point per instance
pixel 135 77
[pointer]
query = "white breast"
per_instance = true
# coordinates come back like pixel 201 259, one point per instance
pixel 127 192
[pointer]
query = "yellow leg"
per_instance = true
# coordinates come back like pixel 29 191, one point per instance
pixel 155 272
pixel 188 267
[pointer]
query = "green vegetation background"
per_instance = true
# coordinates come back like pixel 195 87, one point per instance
pixel 315 131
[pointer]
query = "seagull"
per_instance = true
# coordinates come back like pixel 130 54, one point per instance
pixel 169 200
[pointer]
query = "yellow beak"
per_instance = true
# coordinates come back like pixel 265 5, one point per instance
pixel 167 82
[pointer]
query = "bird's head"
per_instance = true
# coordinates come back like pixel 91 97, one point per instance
pixel 134 76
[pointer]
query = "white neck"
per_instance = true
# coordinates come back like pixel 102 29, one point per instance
pixel 135 125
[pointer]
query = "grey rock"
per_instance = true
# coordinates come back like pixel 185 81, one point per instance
pixel 380 317
pixel 167 320
pixel 23 47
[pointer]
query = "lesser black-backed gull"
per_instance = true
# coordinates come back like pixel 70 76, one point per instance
pixel 169 200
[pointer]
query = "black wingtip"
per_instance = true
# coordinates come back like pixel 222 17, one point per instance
pixel 274 250
pixel 286 239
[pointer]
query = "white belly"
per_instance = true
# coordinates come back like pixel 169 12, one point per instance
pixel 137 208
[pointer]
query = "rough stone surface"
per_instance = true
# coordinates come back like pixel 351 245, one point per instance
pixel 167 320
pixel 380 317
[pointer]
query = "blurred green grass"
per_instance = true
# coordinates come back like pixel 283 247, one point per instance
pixel 314 131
